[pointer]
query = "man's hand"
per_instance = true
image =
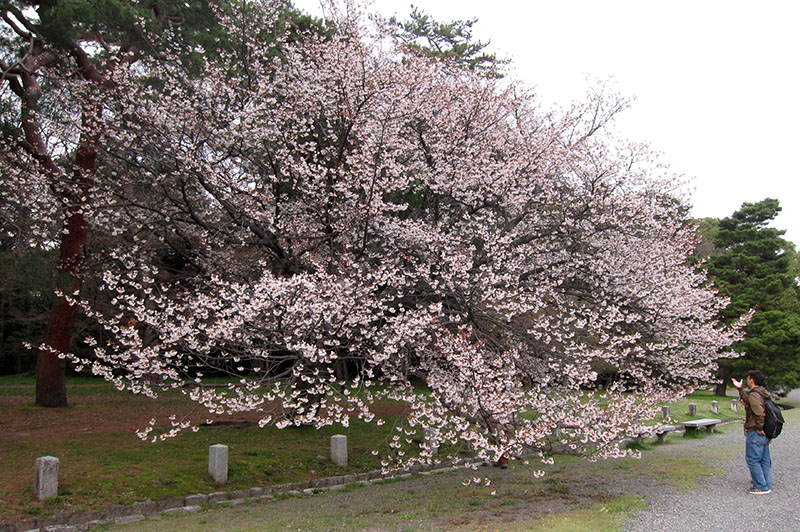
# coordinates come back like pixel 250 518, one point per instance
pixel 737 384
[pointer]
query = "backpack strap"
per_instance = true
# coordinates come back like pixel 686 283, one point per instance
pixel 764 397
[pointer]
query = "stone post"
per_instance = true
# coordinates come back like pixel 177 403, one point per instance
pixel 665 413
pixel 45 484
pixel 218 463
pixel 339 450
pixel 735 405
pixel 715 407
pixel 692 409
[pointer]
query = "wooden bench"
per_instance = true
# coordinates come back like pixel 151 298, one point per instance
pixel 705 423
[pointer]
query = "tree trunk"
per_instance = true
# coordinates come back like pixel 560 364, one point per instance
pixel 51 384
pixel 73 192
pixel 720 388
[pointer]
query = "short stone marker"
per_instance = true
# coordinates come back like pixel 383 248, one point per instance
pixel 339 450
pixel 45 484
pixel 218 463
pixel 715 407
pixel 692 409
pixel 735 405
pixel 665 413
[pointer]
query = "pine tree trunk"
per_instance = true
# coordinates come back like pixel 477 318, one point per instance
pixel 720 388
pixel 73 191
pixel 51 384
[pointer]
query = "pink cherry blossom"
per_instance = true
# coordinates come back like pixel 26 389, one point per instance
pixel 352 220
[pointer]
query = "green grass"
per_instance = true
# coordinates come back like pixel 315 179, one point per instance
pixel 702 398
pixel 76 386
pixel 605 516
pixel 117 468
pixel 102 468
pixel 99 470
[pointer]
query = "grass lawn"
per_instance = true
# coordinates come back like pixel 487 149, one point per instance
pixel 103 462
pixel 703 399
pixel 574 496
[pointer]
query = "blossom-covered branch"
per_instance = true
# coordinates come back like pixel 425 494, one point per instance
pixel 335 221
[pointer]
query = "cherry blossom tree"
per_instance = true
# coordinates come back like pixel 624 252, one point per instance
pixel 350 219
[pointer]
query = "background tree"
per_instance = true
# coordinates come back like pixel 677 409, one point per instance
pixel 47 47
pixel 25 297
pixel 449 42
pixel 753 265
pixel 348 201
pixel 58 60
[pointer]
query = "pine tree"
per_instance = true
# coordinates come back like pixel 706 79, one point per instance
pixel 53 53
pixel 755 266
pixel 451 42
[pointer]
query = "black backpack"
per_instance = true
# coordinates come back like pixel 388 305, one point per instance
pixel 773 418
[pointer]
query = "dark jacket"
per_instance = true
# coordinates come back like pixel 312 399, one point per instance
pixel 754 408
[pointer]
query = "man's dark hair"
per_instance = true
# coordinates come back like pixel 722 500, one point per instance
pixel 757 376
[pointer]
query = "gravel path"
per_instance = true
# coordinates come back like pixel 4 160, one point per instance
pixel 722 502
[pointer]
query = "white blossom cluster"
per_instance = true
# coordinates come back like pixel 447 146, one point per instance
pixel 337 222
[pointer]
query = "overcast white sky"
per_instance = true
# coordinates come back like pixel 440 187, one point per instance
pixel 716 83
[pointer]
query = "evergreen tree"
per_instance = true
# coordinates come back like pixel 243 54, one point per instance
pixel 756 267
pixel 26 295
pixel 52 54
pixel 450 42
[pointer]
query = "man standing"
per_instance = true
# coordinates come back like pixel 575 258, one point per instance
pixel 756 443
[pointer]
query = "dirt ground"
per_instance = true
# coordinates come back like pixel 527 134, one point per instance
pixel 107 413
pixel 102 413
pixel 440 501
pixel 432 503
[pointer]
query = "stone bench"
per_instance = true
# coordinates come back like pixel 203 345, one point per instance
pixel 660 434
pixel 663 431
pixel 705 423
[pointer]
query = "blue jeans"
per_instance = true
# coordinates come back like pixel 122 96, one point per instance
pixel 756 455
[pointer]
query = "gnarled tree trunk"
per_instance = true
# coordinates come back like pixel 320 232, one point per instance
pixel 51 388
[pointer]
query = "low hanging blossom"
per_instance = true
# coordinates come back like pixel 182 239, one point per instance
pixel 337 222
